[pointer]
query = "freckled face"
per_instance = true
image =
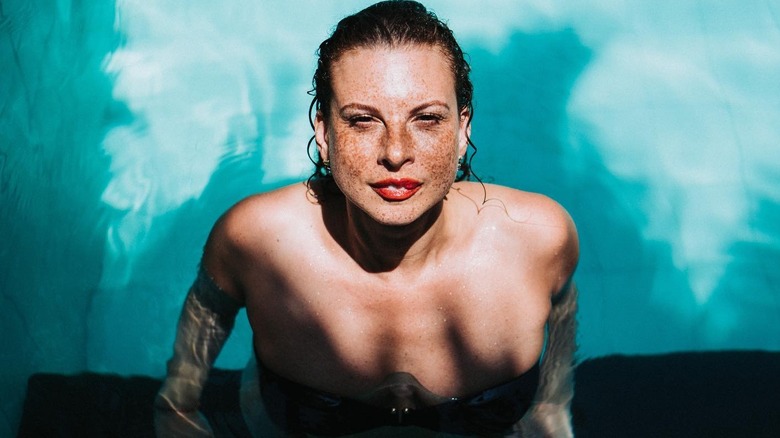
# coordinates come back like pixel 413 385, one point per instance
pixel 394 132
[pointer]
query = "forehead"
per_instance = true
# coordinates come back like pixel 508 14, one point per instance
pixel 398 72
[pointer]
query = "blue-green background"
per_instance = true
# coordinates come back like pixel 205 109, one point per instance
pixel 126 129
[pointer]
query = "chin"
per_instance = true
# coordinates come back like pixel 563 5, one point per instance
pixel 400 215
pixel 396 214
pixel 396 219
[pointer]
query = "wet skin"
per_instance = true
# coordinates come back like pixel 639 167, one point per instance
pixel 394 131
pixel 404 272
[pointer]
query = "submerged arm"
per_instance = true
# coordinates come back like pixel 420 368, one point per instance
pixel 204 325
pixel 550 416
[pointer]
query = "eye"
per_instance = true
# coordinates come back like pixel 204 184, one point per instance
pixel 430 119
pixel 360 121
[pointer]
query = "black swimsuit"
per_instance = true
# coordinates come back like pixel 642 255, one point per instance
pixel 298 408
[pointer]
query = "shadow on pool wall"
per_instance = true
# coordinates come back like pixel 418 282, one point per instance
pixel 521 132
pixel 635 298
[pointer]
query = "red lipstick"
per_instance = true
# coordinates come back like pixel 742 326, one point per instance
pixel 396 189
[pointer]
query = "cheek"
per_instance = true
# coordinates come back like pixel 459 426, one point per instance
pixel 440 161
pixel 348 159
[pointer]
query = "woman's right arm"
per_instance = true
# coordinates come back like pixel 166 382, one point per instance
pixel 205 323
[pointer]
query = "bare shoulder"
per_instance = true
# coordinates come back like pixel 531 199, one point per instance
pixel 246 230
pixel 541 215
pixel 534 210
pixel 264 213
pixel 532 221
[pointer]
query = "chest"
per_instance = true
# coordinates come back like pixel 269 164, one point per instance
pixel 360 329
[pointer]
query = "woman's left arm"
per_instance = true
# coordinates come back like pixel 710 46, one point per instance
pixel 550 414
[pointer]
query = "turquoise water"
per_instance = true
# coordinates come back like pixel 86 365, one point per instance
pixel 127 128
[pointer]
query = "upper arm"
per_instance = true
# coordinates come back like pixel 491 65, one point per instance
pixel 552 237
pixel 227 249
pixel 241 245
pixel 563 250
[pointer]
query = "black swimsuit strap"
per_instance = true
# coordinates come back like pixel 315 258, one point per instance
pixel 299 408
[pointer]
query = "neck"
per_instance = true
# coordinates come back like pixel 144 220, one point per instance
pixel 384 248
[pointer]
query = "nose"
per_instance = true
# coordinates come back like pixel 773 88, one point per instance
pixel 397 149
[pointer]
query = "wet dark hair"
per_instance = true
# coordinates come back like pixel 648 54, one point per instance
pixel 389 23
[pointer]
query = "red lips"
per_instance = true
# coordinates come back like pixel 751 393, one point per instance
pixel 398 189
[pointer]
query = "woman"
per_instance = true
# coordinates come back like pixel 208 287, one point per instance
pixel 383 292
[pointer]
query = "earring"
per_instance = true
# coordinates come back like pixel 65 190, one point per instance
pixel 326 165
pixel 460 162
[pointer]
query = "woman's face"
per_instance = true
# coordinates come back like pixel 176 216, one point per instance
pixel 394 131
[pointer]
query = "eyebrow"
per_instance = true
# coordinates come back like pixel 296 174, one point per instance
pixel 356 106
pixel 430 104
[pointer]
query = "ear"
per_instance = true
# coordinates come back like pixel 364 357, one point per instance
pixel 464 132
pixel 321 135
